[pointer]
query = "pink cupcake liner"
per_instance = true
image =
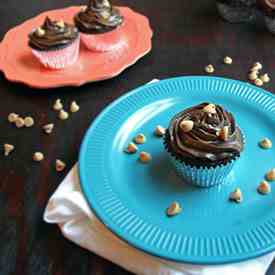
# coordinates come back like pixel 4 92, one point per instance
pixel 60 58
pixel 104 42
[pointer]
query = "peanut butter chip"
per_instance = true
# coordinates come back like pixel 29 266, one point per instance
pixel 74 107
pixel 270 175
pixel 257 65
pixel 264 188
pixel 59 165
pixel 265 143
pixel 48 128
pixel 38 156
pixel 19 123
pixel 145 157
pixel 210 108
pixel 227 60
pixel 173 209
pixel 265 78
pixel 224 133
pixel 40 32
pixel 12 117
pixel 209 69
pixel 60 24
pixel 140 139
pixel 28 121
pixel 236 195
pixel 187 125
pixel 8 148
pixel 58 105
pixel 63 115
pixel 253 75
pixel 131 148
pixel 258 82
pixel 159 131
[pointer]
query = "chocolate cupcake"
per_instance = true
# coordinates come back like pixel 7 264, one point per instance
pixel 203 143
pixel 267 8
pixel 55 43
pixel 99 24
pixel 237 11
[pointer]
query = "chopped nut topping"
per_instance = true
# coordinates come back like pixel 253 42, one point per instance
pixel 209 69
pixel 58 105
pixel 227 60
pixel 28 121
pixel 270 175
pixel 140 139
pixel 145 157
pixel 131 148
pixel 8 148
pixel 159 131
pixel 258 82
pixel 265 143
pixel 74 107
pixel 236 195
pixel 38 156
pixel 48 128
pixel 264 187
pixel 187 125
pixel 173 209
pixel 253 75
pixel 12 117
pixel 19 122
pixel 40 32
pixel 265 78
pixel 59 165
pixel 224 133
pixel 63 115
pixel 210 108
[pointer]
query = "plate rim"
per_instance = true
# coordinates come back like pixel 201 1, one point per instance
pixel 145 248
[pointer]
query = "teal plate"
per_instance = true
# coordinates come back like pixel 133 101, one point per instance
pixel 130 198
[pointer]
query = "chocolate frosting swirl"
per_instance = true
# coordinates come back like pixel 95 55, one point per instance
pixel 52 35
pixel 98 17
pixel 202 145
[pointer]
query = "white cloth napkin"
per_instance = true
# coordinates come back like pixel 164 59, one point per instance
pixel 68 208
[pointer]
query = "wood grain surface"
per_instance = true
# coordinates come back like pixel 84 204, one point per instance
pixel 187 36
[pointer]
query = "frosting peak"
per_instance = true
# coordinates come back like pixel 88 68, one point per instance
pixel 213 137
pixel 98 17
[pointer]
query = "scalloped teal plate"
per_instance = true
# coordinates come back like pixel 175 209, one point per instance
pixel 130 198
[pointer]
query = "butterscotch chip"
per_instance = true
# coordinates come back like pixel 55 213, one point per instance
pixel 48 128
pixel 140 139
pixel 59 165
pixel 253 75
pixel 173 209
pixel 38 156
pixel 58 105
pixel 258 82
pixel 28 121
pixel 236 195
pixel 63 115
pixel 187 125
pixel 159 131
pixel 12 117
pixel 265 78
pixel 264 188
pixel 131 148
pixel 270 175
pixel 224 133
pixel 265 143
pixel 8 148
pixel 145 157
pixel 74 107
pixel 209 69
pixel 227 60
pixel 19 122
pixel 210 108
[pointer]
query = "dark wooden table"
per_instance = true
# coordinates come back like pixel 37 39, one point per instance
pixel 187 36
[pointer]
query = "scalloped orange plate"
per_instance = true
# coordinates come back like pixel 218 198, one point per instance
pixel 19 65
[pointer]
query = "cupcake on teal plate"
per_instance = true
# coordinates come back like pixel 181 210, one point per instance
pixel 100 26
pixel 55 44
pixel 203 143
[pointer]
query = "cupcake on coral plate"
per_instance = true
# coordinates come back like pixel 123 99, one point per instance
pixel 55 44
pixel 100 26
pixel 203 143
